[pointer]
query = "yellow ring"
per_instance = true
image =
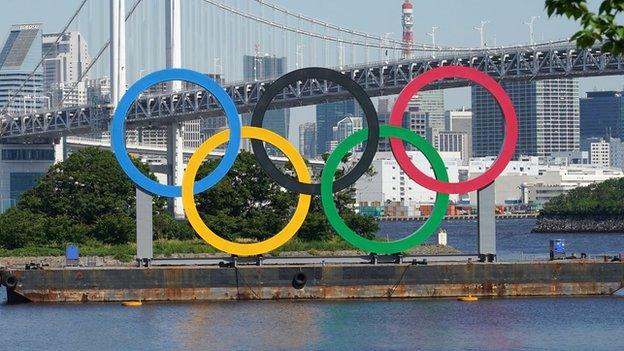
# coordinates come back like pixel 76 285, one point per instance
pixel 270 244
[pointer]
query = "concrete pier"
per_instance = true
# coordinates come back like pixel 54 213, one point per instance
pixel 314 281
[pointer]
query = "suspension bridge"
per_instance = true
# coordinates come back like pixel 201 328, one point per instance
pixel 380 64
pixel 387 75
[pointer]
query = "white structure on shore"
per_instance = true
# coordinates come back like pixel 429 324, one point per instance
pixel 391 184
pixel 524 182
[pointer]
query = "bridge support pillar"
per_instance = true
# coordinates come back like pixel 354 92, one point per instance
pixel 486 214
pixel 60 149
pixel 175 165
pixel 144 234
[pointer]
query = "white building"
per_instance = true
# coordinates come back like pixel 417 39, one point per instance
pixel 531 182
pixel 566 158
pixel 446 141
pixel 524 182
pixel 391 184
pixel 599 153
pixel 460 121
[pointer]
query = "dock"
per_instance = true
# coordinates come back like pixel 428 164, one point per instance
pixel 405 279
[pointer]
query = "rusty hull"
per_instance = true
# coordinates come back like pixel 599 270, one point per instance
pixel 323 282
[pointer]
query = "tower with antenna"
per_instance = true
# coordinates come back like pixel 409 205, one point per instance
pixel 408 22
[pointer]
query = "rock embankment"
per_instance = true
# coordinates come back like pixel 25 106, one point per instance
pixel 579 224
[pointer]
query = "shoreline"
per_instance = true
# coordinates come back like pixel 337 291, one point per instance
pixel 58 261
pixel 579 224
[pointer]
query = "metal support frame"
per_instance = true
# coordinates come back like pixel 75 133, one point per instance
pixel 486 232
pixel 378 79
pixel 234 261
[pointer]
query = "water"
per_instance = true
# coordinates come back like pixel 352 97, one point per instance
pixel 589 323
pixel 426 324
pixel 514 239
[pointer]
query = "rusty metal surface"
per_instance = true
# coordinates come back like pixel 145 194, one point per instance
pixel 330 282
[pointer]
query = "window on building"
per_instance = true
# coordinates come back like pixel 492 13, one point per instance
pixel 28 154
pixel 22 181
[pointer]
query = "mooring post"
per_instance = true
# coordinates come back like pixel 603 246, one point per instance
pixel 144 235
pixel 486 219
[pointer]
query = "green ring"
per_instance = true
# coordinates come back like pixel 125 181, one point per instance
pixel 402 245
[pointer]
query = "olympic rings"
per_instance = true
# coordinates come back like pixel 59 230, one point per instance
pixel 511 129
pixel 238 248
pixel 118 130
pixel 303 184
pixel 347 84
pixel 417 237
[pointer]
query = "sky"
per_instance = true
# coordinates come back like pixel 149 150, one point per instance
pixel 455 20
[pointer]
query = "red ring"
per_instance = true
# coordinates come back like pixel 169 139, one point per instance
pixel 509 143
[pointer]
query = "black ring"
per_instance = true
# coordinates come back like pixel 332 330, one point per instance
pixel 349 85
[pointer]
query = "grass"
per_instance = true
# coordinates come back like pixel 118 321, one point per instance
pixel 168 248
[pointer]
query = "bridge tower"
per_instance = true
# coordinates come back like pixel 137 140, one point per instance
pixel 175 131
pixel 407 21
pixel 117 50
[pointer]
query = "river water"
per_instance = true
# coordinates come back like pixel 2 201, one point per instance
pixel 590 323
pixel 514 239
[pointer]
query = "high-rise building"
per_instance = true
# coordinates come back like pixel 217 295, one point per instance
pixel 460 121
pixel 602 115
pixel 66 59
pixel 343 129
pixel 21 165
pixel 327 117
pixel 414 119
pixel 98 91
pixel 307 140
pixel 19 57
pixel 548 118
pixel 259 67
pixel 447 141
pixel 430 102
pixel 616 153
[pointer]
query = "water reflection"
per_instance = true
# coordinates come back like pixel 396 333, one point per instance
pixel 428 324
pixel 282 325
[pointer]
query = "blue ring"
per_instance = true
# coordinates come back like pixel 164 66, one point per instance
pixel 118 131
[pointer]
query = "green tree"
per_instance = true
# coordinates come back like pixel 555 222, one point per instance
pixel 85 197
pixel 89 184
pixel 598 26
pixel 19 228
pixel 248 204
pixel 114 229
pixel 606 198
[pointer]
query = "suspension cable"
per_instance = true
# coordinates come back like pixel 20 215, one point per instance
pixel 97 57
pixel 45 55
pixel 333 26
pixel 319 35
pixel 389 44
